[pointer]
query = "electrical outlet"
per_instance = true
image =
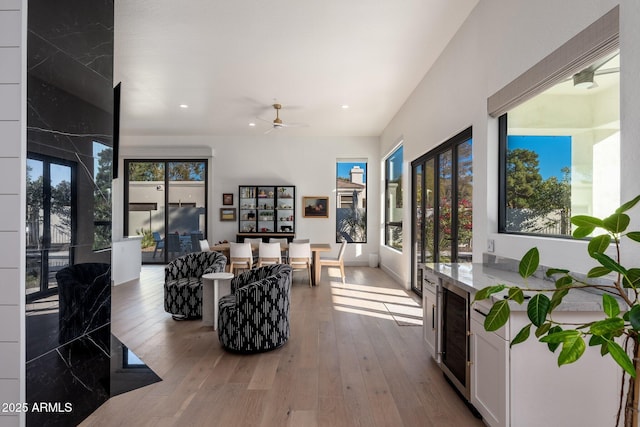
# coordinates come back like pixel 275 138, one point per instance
pixel 491 245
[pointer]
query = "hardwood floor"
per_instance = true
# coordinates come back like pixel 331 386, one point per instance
pixel 355 358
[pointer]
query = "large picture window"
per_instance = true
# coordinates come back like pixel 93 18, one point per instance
pixel 560 152
pixel 351 201
pixel 393 199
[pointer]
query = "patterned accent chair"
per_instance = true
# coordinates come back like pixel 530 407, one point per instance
pixel 255 316
pixel 183 282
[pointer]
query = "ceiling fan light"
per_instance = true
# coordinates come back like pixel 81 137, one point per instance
pixel 583 79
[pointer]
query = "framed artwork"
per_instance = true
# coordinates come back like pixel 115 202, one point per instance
pixel 315 207
pixel 227 214
pixel 227 199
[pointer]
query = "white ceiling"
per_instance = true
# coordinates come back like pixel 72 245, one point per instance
pixel 229 61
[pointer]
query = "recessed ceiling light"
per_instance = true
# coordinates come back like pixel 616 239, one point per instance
pixel 184 106
pixel 252 124
pixel 345 106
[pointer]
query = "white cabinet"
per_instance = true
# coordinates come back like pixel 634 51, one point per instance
pixel 489 373
pixel 430 313
pixel 523 386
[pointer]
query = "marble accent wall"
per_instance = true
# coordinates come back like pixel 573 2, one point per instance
pixel 69 110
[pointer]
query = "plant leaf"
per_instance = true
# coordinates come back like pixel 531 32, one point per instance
pixel 621 357
pixel 608 262
pixel 599 244
pixel 552 271
pixel 586 221
pixel 553 346
pixel 634 235
pixel 498 316
pixel 596 340
pixel 616 223
pixel 610 306
pixel 598 272
pixel 628 205
pixel 560 336
pixel 632 278
pixel 543 329
pixel 583 231
pixel 485 293
pixel 538 308
pixel 571 351
pixel 556 298
pixel 607 326
pixel 529 263
pixel 522 336
pixel 634 317
pixel 516 295
pixel 564 281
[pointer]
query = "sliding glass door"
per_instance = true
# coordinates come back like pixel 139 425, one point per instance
pixel 442 182
pixel 166 204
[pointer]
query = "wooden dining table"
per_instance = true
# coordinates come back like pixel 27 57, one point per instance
pixel 316 249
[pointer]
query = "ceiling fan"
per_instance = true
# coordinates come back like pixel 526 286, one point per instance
pixel 585 78
pixel 277 123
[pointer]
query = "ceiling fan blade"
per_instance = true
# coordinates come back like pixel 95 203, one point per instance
pixel 295 125
pixel 269 130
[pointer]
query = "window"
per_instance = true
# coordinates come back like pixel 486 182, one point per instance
pixel 351 201
pixel 166 204
pixel 560 152
pixel 393 199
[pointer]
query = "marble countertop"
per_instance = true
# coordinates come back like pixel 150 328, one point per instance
pixel 472 277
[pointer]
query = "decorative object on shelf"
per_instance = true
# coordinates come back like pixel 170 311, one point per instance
pixel 227 199
pixel 227 214
pixel 266 209
pixel 315 207
pixel 617 325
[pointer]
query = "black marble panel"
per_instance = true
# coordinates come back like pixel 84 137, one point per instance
pixel 69 114
pixel 70 382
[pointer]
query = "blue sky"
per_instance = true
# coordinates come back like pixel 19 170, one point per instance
pixel 554 152
pixel 345 167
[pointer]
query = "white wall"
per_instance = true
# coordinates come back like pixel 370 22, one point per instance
pixel 307 163
pixel 500 40
pixel 12 189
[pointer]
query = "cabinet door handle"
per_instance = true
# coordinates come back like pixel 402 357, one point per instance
pixel 433 317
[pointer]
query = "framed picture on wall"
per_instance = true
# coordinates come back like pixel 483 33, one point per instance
pixel 315 207
pixel 227 199
pixel 227 214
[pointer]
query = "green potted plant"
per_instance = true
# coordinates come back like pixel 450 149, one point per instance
pixel 617 334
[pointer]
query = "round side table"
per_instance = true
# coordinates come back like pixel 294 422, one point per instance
pixel 211 296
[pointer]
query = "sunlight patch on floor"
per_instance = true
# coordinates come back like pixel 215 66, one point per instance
pixel 379 302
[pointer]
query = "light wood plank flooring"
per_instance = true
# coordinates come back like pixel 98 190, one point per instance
pixel 355 358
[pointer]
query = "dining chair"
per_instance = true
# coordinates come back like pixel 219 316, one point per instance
pixel 204 245
pixel 300 257
pixel 159 243
pixel 337 261
pixel 255 242
pixel 283 241
pixel 240 256
pixel 269 253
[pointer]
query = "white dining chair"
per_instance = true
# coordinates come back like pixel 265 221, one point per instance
pixel 253 240
pixel 284 243
pixel 300 257
pixel 240 256
pixel 269 253
pixel 337 261
pixel 204 245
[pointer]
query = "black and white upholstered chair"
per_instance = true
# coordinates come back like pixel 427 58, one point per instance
pixel 255 316
pixel 183 282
